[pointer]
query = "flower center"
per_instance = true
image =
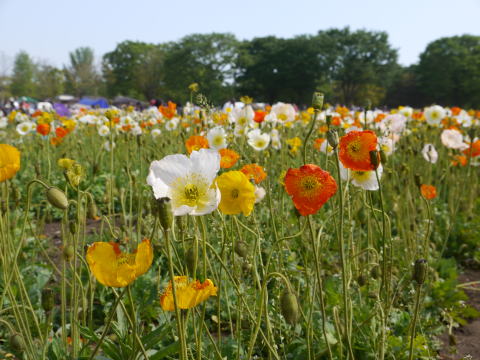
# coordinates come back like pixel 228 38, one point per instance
pixel 309 185
pixel 260 143
pixel 191 192
pixel 282 117
pixel 235 193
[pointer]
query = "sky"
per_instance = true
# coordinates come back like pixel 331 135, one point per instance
pixel 49 29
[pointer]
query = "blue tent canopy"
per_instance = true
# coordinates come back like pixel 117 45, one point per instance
pixel 94 102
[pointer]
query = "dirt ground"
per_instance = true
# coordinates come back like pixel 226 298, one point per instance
pixel 468 336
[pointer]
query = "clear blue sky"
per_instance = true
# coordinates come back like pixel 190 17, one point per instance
pixel 50 29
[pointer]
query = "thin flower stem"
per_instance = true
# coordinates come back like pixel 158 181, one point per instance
pixel 414 321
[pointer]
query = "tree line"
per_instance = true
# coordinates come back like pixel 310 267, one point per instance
pixel 351 67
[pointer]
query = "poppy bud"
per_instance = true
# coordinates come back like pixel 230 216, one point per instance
pixel 17 343
pixel 241 248
pixel 420 271
pixel 317 100
pixel 375 272
pixel 68 252
pixel 165 213
pixel 332 138
pixel 73 227
pixel 57 198
pixel 48 301
pixel 289 307
pixel 374 159
pixel 190 257
pixel 383 157
pixel 92 209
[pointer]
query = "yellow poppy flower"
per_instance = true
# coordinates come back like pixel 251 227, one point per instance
pixel 238 193
pixel 9 162
pixel 189 293
pixel 112 267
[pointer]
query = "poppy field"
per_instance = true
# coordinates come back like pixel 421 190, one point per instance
pixel 250 231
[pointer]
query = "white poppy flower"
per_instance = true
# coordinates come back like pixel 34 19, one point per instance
pixel 406 111
pixel 187 181
pixel 284 112
pixel 242 116
pixel 453 139
pixel 103 130
pixel 386 144
pixel 171 124
pixel 156 132
pixel 393 123
pixel 434 114
pixel 257 140
pixel 3 122
pixel 367 180
pixel 259 194
pixel 217 138
pixel 108 147
pixel 429 153
pixel 25 127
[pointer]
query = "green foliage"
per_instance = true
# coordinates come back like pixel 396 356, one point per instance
pixel 449 71
pixel 23 75
pixel 81 76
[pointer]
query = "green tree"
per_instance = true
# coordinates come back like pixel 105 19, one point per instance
pixel 133 69
pixel 81 76
pixel 49 81
pixel 449 71
pixel 23 76
pixel 359 64
pixel 272 69
pixel 207 59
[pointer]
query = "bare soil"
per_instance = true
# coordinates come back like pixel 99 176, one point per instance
pixel 467 337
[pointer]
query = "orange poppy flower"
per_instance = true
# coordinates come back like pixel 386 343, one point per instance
pixel 168 111
pixel 473 150
pixel 336 120
pixel 259 116
pixel 355 150
pixel 455 110
pixel 317 144
pixel 61 132
pixel 55 140
pixel 229 158
pixel 195 143
pixel 310 187
pixel 254 172
pixel 459 160
pixel 429 192
pixel 43 129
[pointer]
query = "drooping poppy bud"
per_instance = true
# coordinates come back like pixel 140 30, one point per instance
pixel 57 198
pixel 289 307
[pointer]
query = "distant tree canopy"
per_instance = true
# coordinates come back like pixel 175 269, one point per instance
pixel 350 67
pixel 449 71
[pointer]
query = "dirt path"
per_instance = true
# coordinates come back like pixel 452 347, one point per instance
pixel 468 336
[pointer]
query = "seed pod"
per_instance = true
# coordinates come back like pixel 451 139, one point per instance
pixel 180 223
pixel 165 213
pixel 317 100
pixel 190 257
pixel 374 158
pixel 289 307
pixel 241 248
pixel 48 301
pixel 420 271
pixel 68 252
pixel 92 210
pixel 72 225
pixel 383 157
pixel 57 198
pixel 332 138
pixel 17 343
